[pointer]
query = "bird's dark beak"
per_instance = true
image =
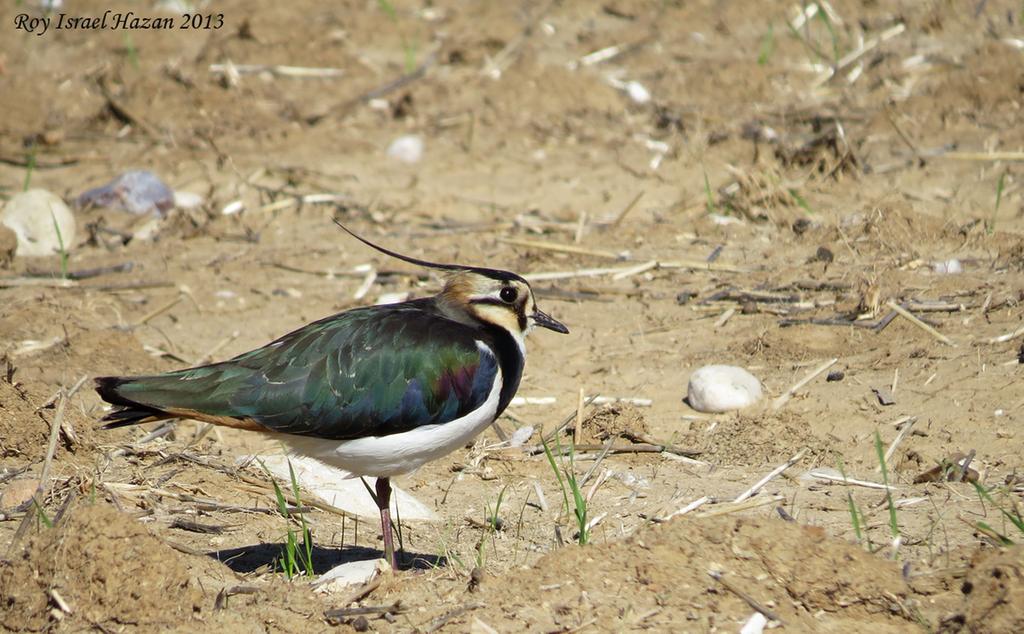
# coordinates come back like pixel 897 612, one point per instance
pixel 545 320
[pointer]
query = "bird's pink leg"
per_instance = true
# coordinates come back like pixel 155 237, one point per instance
pixel 383 499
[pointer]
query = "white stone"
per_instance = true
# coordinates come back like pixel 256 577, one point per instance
pixel 521 436
pixel 719 219
pixel 407 148
pixel 187 200
pixel 232 208
pixel 341 490
pixel 637 92
pixel 755 624
pixel 31 216
pixel 948 267
pixel 722 388
pixel 351 573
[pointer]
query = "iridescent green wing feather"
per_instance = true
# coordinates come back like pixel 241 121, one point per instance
pixel 372 371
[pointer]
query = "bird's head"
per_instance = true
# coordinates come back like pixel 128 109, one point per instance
pixel 475 295
pixel 497 297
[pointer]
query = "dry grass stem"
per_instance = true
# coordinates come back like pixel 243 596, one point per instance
pixel 906 314
pixel 51 446
pixel 736 507
pixel 725 317
pixel 600 458
pixel 636 270
pixel 519 401
pixel 495 67
pixel 701 265
pixel 629 400
pixel 779 402
pixel 692 506
pixel 628 208
pixel 12 282
pixel 581 227
pixel 206 358
pixel 1010 336
pixel 560 248
pixel 905 428
pixel 367 283
pixel 577 431
pixel 774 473
pixel 866 47
pixel 720 578
pixel 820 475
pixel 159 310
pixel 985 156
pixel 297 72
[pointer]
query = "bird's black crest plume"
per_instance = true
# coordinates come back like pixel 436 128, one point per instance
pixel 497 274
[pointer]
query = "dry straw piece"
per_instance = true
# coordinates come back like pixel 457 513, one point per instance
pixel 779 402
pixel 906 314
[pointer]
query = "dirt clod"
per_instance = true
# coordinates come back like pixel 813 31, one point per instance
pixel 108 568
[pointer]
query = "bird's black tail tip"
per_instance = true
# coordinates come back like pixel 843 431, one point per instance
pixel 107 386
pixel 126 411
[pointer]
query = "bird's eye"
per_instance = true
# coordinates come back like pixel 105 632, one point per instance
pixel 508 294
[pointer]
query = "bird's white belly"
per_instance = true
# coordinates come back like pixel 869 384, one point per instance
pixel 395 454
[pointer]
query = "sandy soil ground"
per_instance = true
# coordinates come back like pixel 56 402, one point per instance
pixel 777 193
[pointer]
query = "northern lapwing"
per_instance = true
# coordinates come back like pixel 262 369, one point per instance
pixel 374 391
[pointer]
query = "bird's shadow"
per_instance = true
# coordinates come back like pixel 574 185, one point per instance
pixel 248 559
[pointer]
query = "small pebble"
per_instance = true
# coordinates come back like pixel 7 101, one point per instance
pixel 885 397
pixel 31 216
pixel 719 219
pixel 138 192
pixel 407 149
pixel 801 225
pixel 684 297
pixel 520 436
pixel 948 267
pixel 637 92
pixel 187 200
pixel 835 375
pixel 232 208
pixel 722 388
pixel 755 624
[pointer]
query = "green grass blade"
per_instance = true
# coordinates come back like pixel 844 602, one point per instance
pixel 388 9
pixel 132 52
pixel 554 467
pixel 282 506
pixel 767 46
pixel 999 199
pixel 30 168
pixel 707 192
pixel 823 17
pixel 893 520
pixel 993 533
pixel 800 200
pixel 60 244
pixel 41 513
pixel 1014 518
pixel 855 515
pixel 289 561
pixel 814 54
